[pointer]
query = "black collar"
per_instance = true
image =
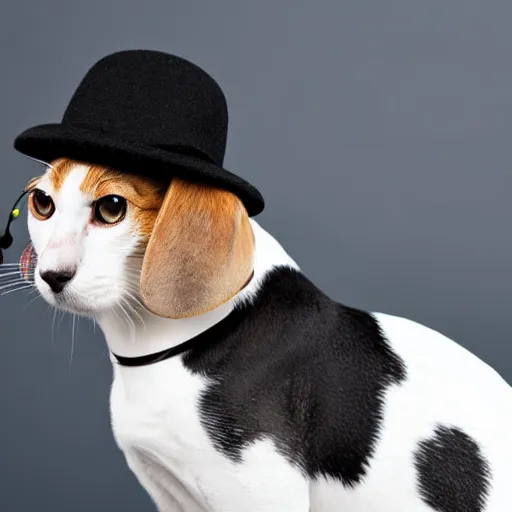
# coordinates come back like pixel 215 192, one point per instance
pixel 216 332
pixel 157 356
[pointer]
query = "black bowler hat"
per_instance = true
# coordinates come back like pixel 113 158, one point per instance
pixel 145 112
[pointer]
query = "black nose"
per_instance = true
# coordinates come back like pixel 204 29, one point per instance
pixel 57 279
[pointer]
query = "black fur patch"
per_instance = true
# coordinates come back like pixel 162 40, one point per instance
pixel 301 369
pixel 453 475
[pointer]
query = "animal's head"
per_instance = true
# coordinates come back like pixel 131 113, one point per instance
pixel 104 238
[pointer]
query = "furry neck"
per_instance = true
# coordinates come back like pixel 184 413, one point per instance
pixel 144 333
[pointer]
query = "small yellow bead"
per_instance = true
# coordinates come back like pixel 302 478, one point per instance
pixel 16 213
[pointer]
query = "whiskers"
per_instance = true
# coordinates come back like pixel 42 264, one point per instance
pixel 129 307
pixel 138 253
pixel 12 279
pixel 127 312
pixel 74 326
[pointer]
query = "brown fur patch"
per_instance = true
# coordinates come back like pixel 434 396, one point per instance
pixel 145 196
pixel 60 170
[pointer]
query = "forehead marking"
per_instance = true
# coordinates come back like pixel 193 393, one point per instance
pixel 60 170
pixel 95 176
pixel 143 193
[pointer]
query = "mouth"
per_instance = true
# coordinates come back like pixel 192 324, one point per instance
pixel 81 300
pixel 64 300
pixel 89 298
pixel 68 302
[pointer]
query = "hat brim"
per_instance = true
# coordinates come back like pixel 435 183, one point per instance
pixel 51 141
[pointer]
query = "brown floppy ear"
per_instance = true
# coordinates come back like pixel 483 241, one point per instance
pixel 200 253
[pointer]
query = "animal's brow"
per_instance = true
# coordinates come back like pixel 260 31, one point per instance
pixel 33 182
pixel 144 196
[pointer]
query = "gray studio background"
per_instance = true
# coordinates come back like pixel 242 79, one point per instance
pixel 379 134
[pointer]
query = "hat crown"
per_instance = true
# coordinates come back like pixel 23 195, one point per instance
pixel 155 98
pixel 149 113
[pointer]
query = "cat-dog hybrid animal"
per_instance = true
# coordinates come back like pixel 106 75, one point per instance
pixel 277 399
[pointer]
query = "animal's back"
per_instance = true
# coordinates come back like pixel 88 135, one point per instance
pixel 445 442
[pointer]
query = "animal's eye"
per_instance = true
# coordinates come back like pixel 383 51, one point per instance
pixel 41 204
pixel 110 209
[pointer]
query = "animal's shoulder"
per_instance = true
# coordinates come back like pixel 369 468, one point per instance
pixel 302 369
pixel 290 321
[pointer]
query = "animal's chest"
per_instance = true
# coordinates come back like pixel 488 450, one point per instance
pixel 154 404
pixel 156 423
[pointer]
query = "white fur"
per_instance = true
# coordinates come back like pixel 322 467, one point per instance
pixel 103 276
pixel 154 409
pixel 477 398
